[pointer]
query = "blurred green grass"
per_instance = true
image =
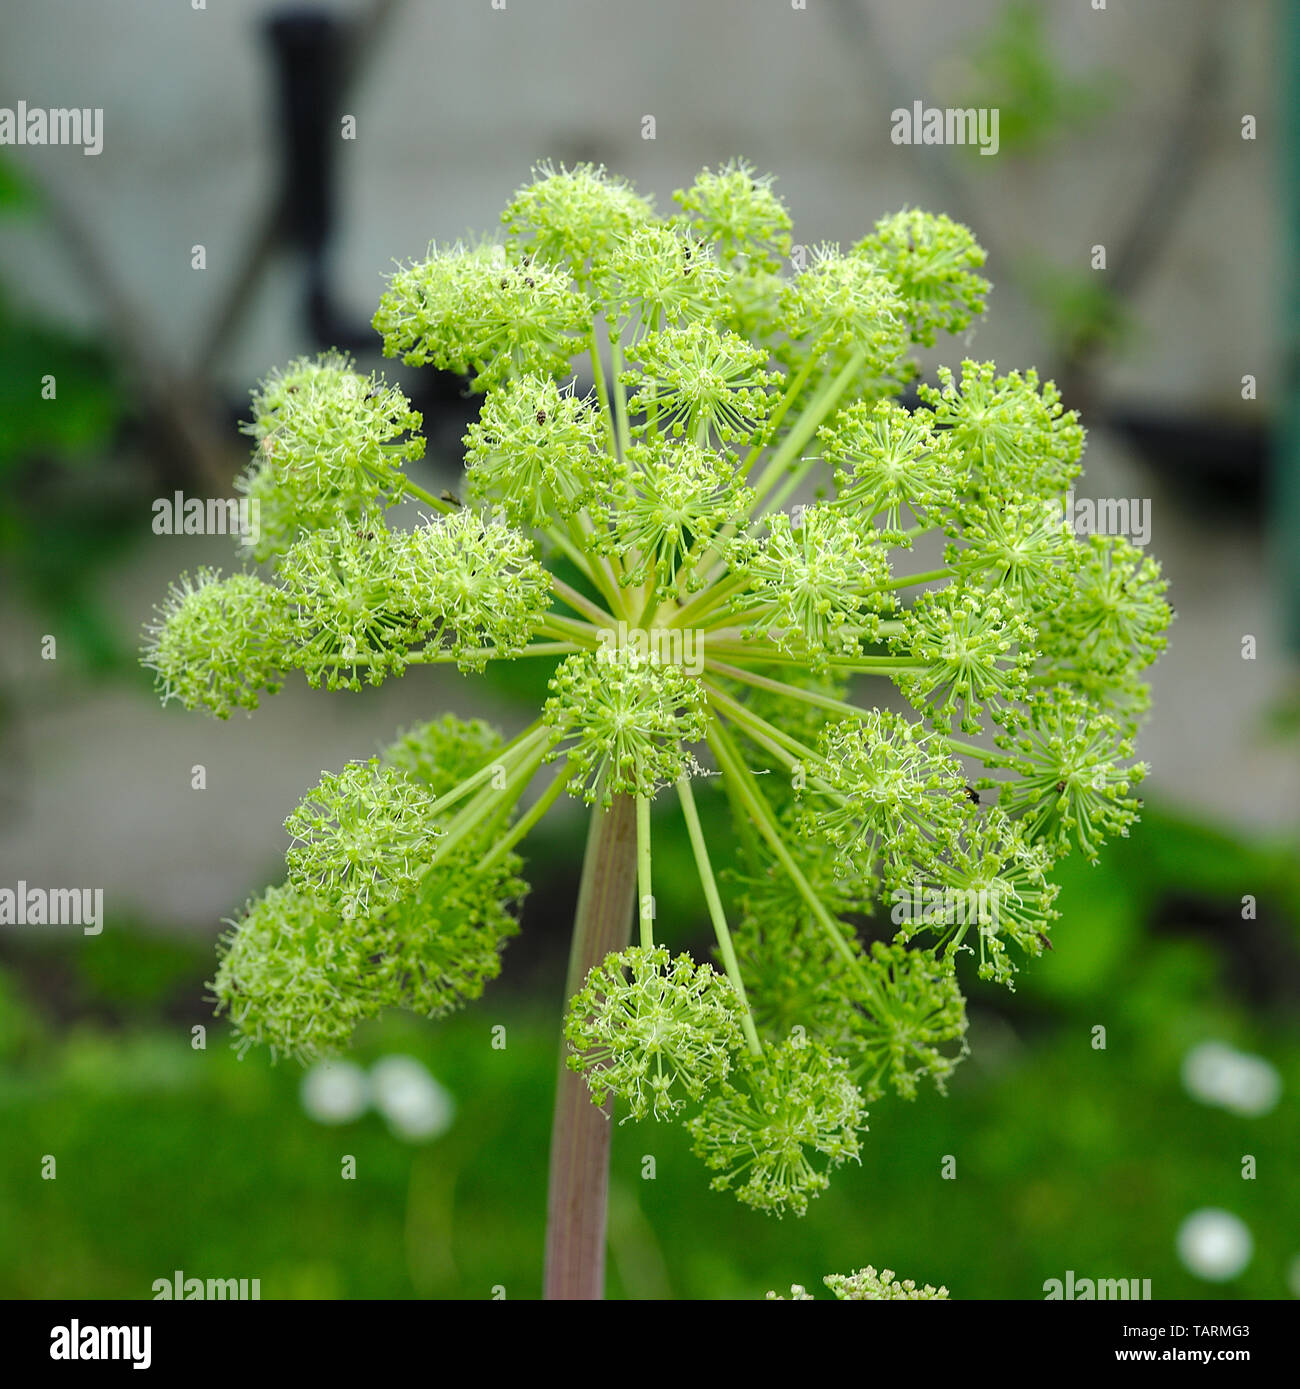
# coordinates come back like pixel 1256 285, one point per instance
pixel 1066 1157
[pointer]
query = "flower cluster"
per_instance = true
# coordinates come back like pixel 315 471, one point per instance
pixel 774 1136
pixel 368 919
pixel 331 444
pixel 625 722
pixel 866 1285
pixel 695 494
pixel 653 1030
pixel 218 641
pixel 484 311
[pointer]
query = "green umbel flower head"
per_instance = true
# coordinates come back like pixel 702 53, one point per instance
pixel 362 837
pixel 991 891
pixel 701 383
pixel 970 650
pixel 889 460
pixel 911 1010
pixel 758 588
pixel 677 498
pixel 574 217
pixel 626 722
pixel 736 210
pixel 331 444
pixel 931 261
pixel 887 794
pixel 660 275
pixel 1073 772
pixel 653 1030
pixel 482 311
pixel 1114 616
pixel 351 619
pixel 1015 434
pixel 869 1286
pixel 289 979
pixel 217 642
pixel 537 452
pixel 776 1131
pixel 816 584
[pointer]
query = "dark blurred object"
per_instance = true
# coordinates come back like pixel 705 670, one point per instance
pixel 1214 461
pixel 314 56
pixel 308 47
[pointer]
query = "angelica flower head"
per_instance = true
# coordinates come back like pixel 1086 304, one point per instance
pixel 660 274
pixel 536 451
pixel 866 1285
pixel 931 261
pixel 910 1010
pixel 625 721
pixel 699 382
pixel 869 1286
pixel 1072 772
pixel 735 209
pixel 331 444
pixel 361 836
pixel 816 583
pixel 653 1030
pixel 990 892
pixel 218 641
pixel 696 505
pixel 482 311
pixel 676 498
pixel 575 217
pixel 970 650
pixel 1017 437
pixel 890 795
pixel 775 1133
pixel 891 461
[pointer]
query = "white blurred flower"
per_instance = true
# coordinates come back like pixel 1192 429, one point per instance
pixel 1214 1245
pixel 414 1104
pixel 1234 1080
pixel 334 1092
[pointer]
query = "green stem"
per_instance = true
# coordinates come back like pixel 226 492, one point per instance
pixel 512 749
pixel 651 605
pixel 706 601
pixel 930 576
pixel 581 633
pixel 773 655
pixel 622 429
pixel 731 765
pixel 791 394
pixel 785 748
pixel 437 656
pixel 716 913
pixel 413 489
pixel 580 603
pixel 523 826
pixel 602 391
pixel 805 426
pixel 813 414
pixel 645 900
pixel 785 491
pixel 779 687
pixel 597 574
pixel 834 706
pixel 498 800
